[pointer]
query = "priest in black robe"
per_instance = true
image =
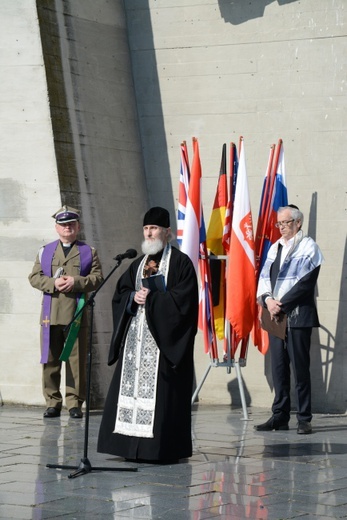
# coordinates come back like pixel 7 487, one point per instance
pixel 147 414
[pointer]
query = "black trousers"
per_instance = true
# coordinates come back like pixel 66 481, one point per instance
pixel 293 353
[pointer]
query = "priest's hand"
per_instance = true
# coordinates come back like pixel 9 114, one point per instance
pixel 141 295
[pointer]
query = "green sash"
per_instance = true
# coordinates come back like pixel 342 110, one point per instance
pixel 73 332
pixel 86 260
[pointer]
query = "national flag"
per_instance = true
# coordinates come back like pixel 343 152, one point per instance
pixel 182 191
pixel 274 195
pixel 280 197
pixel 259 336
pixel 215 227
pixel 193 241
pixel 262 231
pixel 194 245
pixel 234 163
pixel 206 317
pixel 241 286
pixel 214 244
pixel 190 240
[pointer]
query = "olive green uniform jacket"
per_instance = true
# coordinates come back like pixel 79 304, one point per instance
pixel 63 307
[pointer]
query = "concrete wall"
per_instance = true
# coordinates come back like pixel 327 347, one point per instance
pixel 96 138
pixel 263 69
pixel 29 194
pixel 69 135
pixel 212 69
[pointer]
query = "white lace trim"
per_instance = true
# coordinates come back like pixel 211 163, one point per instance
pixel 138 387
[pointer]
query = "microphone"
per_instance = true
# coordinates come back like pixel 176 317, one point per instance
pixel 129 253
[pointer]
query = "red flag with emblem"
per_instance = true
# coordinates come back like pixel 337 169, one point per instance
pixel 241 285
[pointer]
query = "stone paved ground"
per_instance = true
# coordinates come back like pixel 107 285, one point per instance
pixel 235 472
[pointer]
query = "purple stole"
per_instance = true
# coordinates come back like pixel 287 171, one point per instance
pixel 86 259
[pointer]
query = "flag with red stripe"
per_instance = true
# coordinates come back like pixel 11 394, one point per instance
pixel 274 195
pixel 191 234
pixel 206 321
pixel 194 245
pixel 182 191
pixel 234 163
pixel 216 224
pixel 214 243
pixel 241 286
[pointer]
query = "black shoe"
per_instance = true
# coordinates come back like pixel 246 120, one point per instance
pixel 51 412
pixel 76 413
pixel 304 427
pixel 272 424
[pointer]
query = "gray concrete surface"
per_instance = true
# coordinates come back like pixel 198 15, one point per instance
pixel 96 98
pixel 235 472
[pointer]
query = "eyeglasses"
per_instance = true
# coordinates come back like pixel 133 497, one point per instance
pixel 284 223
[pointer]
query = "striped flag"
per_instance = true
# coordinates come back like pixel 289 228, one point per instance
pixel 206 312
pixel 234 164
pixel 280 196
pixel 194 245
pixel 191 239
pixel 182 192
pixel 274 195
pixel 216 225
pixel 241 286
pixel 215 245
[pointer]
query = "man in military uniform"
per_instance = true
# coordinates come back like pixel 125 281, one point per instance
pixel 65 270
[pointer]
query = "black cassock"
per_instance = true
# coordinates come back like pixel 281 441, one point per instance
pixel 172 319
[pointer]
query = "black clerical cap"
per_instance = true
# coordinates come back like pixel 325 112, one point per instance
pixel 157 216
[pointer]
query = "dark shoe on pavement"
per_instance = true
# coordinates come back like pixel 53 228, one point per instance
pixel 76 413
pixel 272 424
pixel 51 412
pixel 304 427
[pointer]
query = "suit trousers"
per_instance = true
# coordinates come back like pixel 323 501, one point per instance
pixel 293 353
pixel 75 370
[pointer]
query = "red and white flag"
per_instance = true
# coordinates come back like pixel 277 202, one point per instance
pixel 241 284
pixel 229 208
pixel 182 192
pixel 191 235
pixel 274 195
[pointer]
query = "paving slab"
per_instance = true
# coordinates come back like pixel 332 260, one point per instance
pixel 235 472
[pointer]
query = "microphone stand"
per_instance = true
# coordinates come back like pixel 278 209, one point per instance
pixel 85 465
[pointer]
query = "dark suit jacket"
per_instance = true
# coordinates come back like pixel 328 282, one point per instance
pixel 301 295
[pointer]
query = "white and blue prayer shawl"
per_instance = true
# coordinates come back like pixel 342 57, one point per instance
pixel 303 257
pixel 138 386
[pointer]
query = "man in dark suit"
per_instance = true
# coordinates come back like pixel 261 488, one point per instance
pixel 286 286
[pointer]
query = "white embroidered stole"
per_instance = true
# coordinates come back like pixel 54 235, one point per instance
pixel 138 386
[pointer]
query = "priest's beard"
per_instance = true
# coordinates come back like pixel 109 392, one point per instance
pixel 152 247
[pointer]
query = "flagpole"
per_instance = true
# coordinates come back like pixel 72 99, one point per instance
pixel 207 322
pixel 266 200
pixel 273 177
pixel 85 466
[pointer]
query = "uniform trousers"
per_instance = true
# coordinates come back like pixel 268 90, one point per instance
pixel 75 370
pixel 292 353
